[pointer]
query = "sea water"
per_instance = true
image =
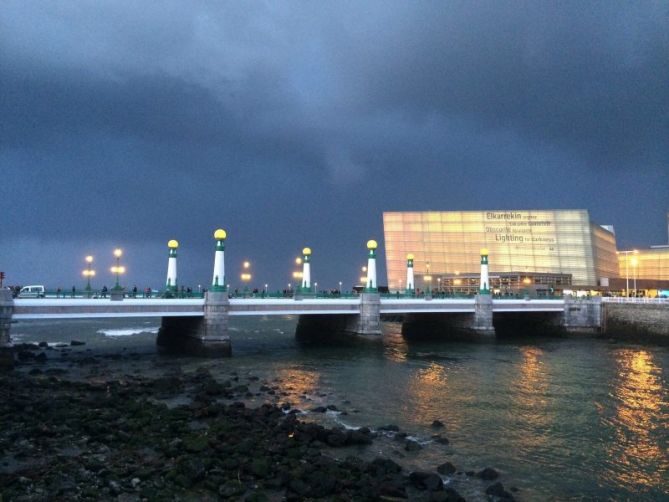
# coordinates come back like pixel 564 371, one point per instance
pixel 560 418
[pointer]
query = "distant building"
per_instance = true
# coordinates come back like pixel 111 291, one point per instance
pixel 524 246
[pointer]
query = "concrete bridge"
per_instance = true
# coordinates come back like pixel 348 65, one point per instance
pixel 200 326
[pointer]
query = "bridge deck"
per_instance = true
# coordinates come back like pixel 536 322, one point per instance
pixel 66 308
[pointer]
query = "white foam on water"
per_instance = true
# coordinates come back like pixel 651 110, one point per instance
pixel 127 331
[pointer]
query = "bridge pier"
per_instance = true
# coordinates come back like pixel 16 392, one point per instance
pixel 328 327
pixel 583 316
pixel 6 310
pixel 483 326
pixel 207 336
pixel 369 320
pixel 464 326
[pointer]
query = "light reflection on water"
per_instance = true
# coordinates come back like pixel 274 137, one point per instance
pixel 638 448
pixel 560 418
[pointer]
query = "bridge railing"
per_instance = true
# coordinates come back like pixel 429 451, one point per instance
pixel 622 299
pixel 99 294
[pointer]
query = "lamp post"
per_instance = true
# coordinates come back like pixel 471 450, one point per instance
pixel 427 279
pixel 218 280
pixel 635 262
pixel 339 288
pixel 627 269
pixel 117 290
pixel 88 273
pixel 118 269
pixel 246 275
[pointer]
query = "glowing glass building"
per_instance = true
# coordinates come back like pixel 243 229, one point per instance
pixel 447 244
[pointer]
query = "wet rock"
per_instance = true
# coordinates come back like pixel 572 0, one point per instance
pixel 318 409
pixel 389 428
pixel 75 343
pixel 358 437
pixel 231 489
pixel 448 495
pixel 336 438
pixel 298 486
pixel 43 344
pixel 488 474
pixel 393 490
pixel 438 438
pixel 41 357
pixel 383 466
pixel 25 355
pixel 331 407
pixel 189 469
pixel 437 424
pixel 447 468
pixel 426 481
pixel 497 490
pixel 411 445
pixel 114 488
pixel 260 467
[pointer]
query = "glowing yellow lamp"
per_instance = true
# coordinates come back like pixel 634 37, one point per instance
pixel 306 251
pixel 371 244
pixel 410 256
pixel 89 259
pixel 484 251
pixel 173 244
pixel 220 234
pixel 118 252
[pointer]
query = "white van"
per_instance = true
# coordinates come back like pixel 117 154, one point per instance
pixel 32 292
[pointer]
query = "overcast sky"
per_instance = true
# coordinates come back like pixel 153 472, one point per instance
pixel 126 123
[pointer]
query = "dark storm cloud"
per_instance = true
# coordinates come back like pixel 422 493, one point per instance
pixel 298 121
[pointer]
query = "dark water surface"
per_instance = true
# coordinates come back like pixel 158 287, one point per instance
pixel 560 418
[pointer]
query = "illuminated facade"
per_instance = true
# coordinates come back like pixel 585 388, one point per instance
pixel 650 264
pixel 446 244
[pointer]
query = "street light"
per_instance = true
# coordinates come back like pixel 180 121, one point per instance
pixel 88 273
pixel 428 286
pixel 246 275
pixel 118 269
pixel 635 262
pixel 340 287
pixel 627 269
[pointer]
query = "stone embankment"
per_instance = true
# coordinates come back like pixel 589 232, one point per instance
pixel 637 321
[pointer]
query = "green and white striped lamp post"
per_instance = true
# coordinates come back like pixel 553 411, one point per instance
pixel 218 281
pixel 484 287
pixel 371 286
pixel 171 282
pixel 306 270
pixel 410 281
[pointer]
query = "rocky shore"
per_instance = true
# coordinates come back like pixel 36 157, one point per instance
pixel 137 438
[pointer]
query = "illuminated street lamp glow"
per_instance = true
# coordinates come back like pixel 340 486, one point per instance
pixel 118 269
pixel 88 273
pixel 627 268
